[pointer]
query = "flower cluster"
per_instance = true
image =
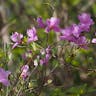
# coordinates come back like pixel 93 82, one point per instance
pixel 17 37
pixel 74 32
pixel 50 24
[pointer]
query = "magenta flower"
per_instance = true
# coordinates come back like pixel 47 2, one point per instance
pixel 52 24
pixel 40 22
pixel 66 34
pixel 85 18
pixel 75 30
pixel 81 42
pixel 4 77
pixel 32 36
pixel 85 21
pixel 70 33
pixel 25 72
pixel 16 38
pixel 84 27
pixel 73 34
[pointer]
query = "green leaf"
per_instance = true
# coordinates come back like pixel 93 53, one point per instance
pixel 74 2
pixel 94 8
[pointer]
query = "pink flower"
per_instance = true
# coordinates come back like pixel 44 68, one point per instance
pixel 52 24
pixel 94 40
pixel 73 34
pixel 40 22
pixel 85 21
pixel 25 72
pixel 81 42
pixel 32 36
pixel 4 77
pixel 70 33
pixel 17 39
pixel 85 18
pixel 47 57
pixel 75 30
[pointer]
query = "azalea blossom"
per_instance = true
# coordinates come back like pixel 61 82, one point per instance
pixel 40 22
pixel 49 24
pixel 32 36
pixel 70 33
pixel 85 21
pixel 81 42
pixel 4 77
pixel 25 72
pixel 73 34
pixel 75 30
pixel 52 24
pixel 16 38
pixel 85 18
